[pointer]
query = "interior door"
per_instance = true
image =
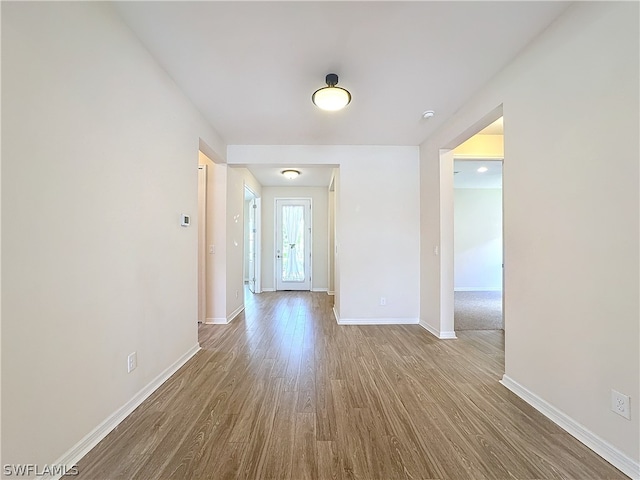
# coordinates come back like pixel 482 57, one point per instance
pixel 293 244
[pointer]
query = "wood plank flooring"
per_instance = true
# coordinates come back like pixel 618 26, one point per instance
pixel 283 392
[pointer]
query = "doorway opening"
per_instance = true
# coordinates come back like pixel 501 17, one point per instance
pixel 293 244
pixel 202 240
pixel 487 144
pixel 477 246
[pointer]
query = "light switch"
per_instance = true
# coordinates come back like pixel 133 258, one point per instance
pixel 212 249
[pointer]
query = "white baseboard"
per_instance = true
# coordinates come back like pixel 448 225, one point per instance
pixel 80 449
pixel 603 448
pixel 378 321
pixel 477 289
pixel 330 292
pixel 335 314
pixel 235 313
pixel 374 321
pixel 319 289
pixel 223 320
pixel 216 321
pixel 446 335
pixel 268 289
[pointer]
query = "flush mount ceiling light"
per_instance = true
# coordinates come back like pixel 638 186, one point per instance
pixel 331 98
pixel 290 174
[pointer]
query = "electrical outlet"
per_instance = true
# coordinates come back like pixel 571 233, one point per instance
pixel 383 301
pixel 620 404
pixel 132 362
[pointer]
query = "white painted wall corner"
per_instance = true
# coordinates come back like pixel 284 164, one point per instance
pixel 446 335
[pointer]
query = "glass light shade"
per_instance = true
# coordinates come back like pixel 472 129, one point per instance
pixel 290 174
pixel 331 98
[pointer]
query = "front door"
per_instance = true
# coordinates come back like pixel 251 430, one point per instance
pixel 293 244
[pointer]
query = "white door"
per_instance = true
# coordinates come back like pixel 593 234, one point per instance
pixel 293 244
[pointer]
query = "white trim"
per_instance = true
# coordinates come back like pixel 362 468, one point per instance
pixel 235 313
pixel 264 289
pixel 202 242
pixel 378 321
pixel 436 333
pixel 216 321
pixel 600 446
pixel 80 449
pixel 330 292
pixel 373 321
pixel 319 289
pixel 477 289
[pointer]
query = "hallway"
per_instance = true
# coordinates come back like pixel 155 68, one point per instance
pixel 284 392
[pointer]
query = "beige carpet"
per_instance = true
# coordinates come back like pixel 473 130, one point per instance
pixel 478 311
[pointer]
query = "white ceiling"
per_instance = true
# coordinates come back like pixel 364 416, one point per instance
pixel 467 175
pixel 251 67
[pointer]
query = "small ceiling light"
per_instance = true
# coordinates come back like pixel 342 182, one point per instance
pixel 428 114
pixel 290 174
pixel 331 98
pixel 482 169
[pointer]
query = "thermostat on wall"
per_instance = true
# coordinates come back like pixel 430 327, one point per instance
pixel 185 220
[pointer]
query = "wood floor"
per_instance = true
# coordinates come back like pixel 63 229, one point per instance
pixel 283 392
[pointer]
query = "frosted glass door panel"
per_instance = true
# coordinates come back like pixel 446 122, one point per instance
pixel 293 243
pixel 293 253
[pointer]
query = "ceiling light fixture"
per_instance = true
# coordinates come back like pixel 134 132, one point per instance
pixel 428 114
pixel 482 169
pixel 331 98
pixel 290 174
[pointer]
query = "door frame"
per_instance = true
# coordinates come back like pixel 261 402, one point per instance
pixel 202 241
pixel 445 248
pixel 275 240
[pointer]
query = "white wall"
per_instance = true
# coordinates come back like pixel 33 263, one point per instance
pixel 377 223
pixel 477 239
pixel 320 233
pixel 331 268
pixel 216 237
pixel 235 241
pixel 571 216
pixel 246 213
pixel 336 234
pixel 99 154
